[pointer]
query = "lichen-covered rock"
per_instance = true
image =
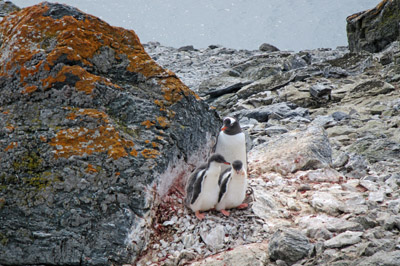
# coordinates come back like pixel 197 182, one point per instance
pixel 374 29
pixel 92 134
pixel 6 7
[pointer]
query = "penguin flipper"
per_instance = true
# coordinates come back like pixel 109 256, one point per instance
pixel 224 187
pixel 222 176
pixel 191 182
pixel 197 186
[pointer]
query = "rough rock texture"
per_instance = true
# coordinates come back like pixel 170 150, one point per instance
pixel 92 134
pixel 289 246
pixel 323 134
pixel 6 7
pixel 338 110
pixel 374 29
pixel 293 151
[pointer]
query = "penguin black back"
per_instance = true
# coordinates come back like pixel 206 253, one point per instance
pixel 196 179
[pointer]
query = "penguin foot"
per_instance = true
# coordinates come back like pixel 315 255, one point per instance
pixel 242 206
pixel 199 215
pixel 225 212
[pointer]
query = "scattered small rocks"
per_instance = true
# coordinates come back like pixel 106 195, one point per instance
pixel 323 143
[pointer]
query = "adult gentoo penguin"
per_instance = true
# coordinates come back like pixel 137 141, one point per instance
pixel 231 142
pixel 233 185
pixel 202 188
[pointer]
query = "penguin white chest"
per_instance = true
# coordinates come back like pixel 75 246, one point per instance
pixel 235 194
pixel 232 147
pixel 208 196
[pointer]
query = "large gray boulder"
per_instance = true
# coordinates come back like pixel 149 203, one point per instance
pixel 289 246
pixel 374 29
pixel 93 133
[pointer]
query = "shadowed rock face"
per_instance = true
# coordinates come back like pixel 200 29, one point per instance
pixel 89 125
pixel 374 29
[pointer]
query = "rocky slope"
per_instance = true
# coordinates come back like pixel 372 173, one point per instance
pixel 324 158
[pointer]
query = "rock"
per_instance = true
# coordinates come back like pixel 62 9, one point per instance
pixel 374 29
pixel 96 134
pixel 231 89
pixel 292 151
pixel 320 175
pixel 327 203
pixel 390 258
pixel 321 91
pixel 339 116
pixel 274 111
pixel 7 7
pixel 214 237
pixel 273 82
pixel 315 224
pixel 372 88
pixel 266 47
pixel 247 255
pixel 186 48
pixel 344 239
pixel 265 204
pixel 289 245
pixel 377 196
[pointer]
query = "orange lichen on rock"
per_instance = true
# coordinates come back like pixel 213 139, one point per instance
pixel 10 128
pixel 150 154
pixel 134 153
pixel 88 112
pixel 29 89
pixel 12 145
pixel 162 121
pixel 91 169
pixel 85 83
pixel 77 40
pixel 148 123
pixel 25 72
pixel 80 140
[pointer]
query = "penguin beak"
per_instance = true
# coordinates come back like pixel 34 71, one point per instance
pixel 223 128
pixel 227 163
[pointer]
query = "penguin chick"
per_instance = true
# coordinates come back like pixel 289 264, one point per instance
pixel 233 186
pixel 202 187
pixel 231 142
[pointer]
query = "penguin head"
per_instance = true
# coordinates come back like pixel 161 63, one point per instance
pixel 217 158
pixel 237 166
pixel 231 126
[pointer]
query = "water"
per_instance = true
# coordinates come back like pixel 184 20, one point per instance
pixel 241 24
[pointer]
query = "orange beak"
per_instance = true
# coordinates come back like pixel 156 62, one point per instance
pixel 223 128
pixel 227 163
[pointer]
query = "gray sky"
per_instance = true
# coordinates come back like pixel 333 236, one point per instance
pixel 241 24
